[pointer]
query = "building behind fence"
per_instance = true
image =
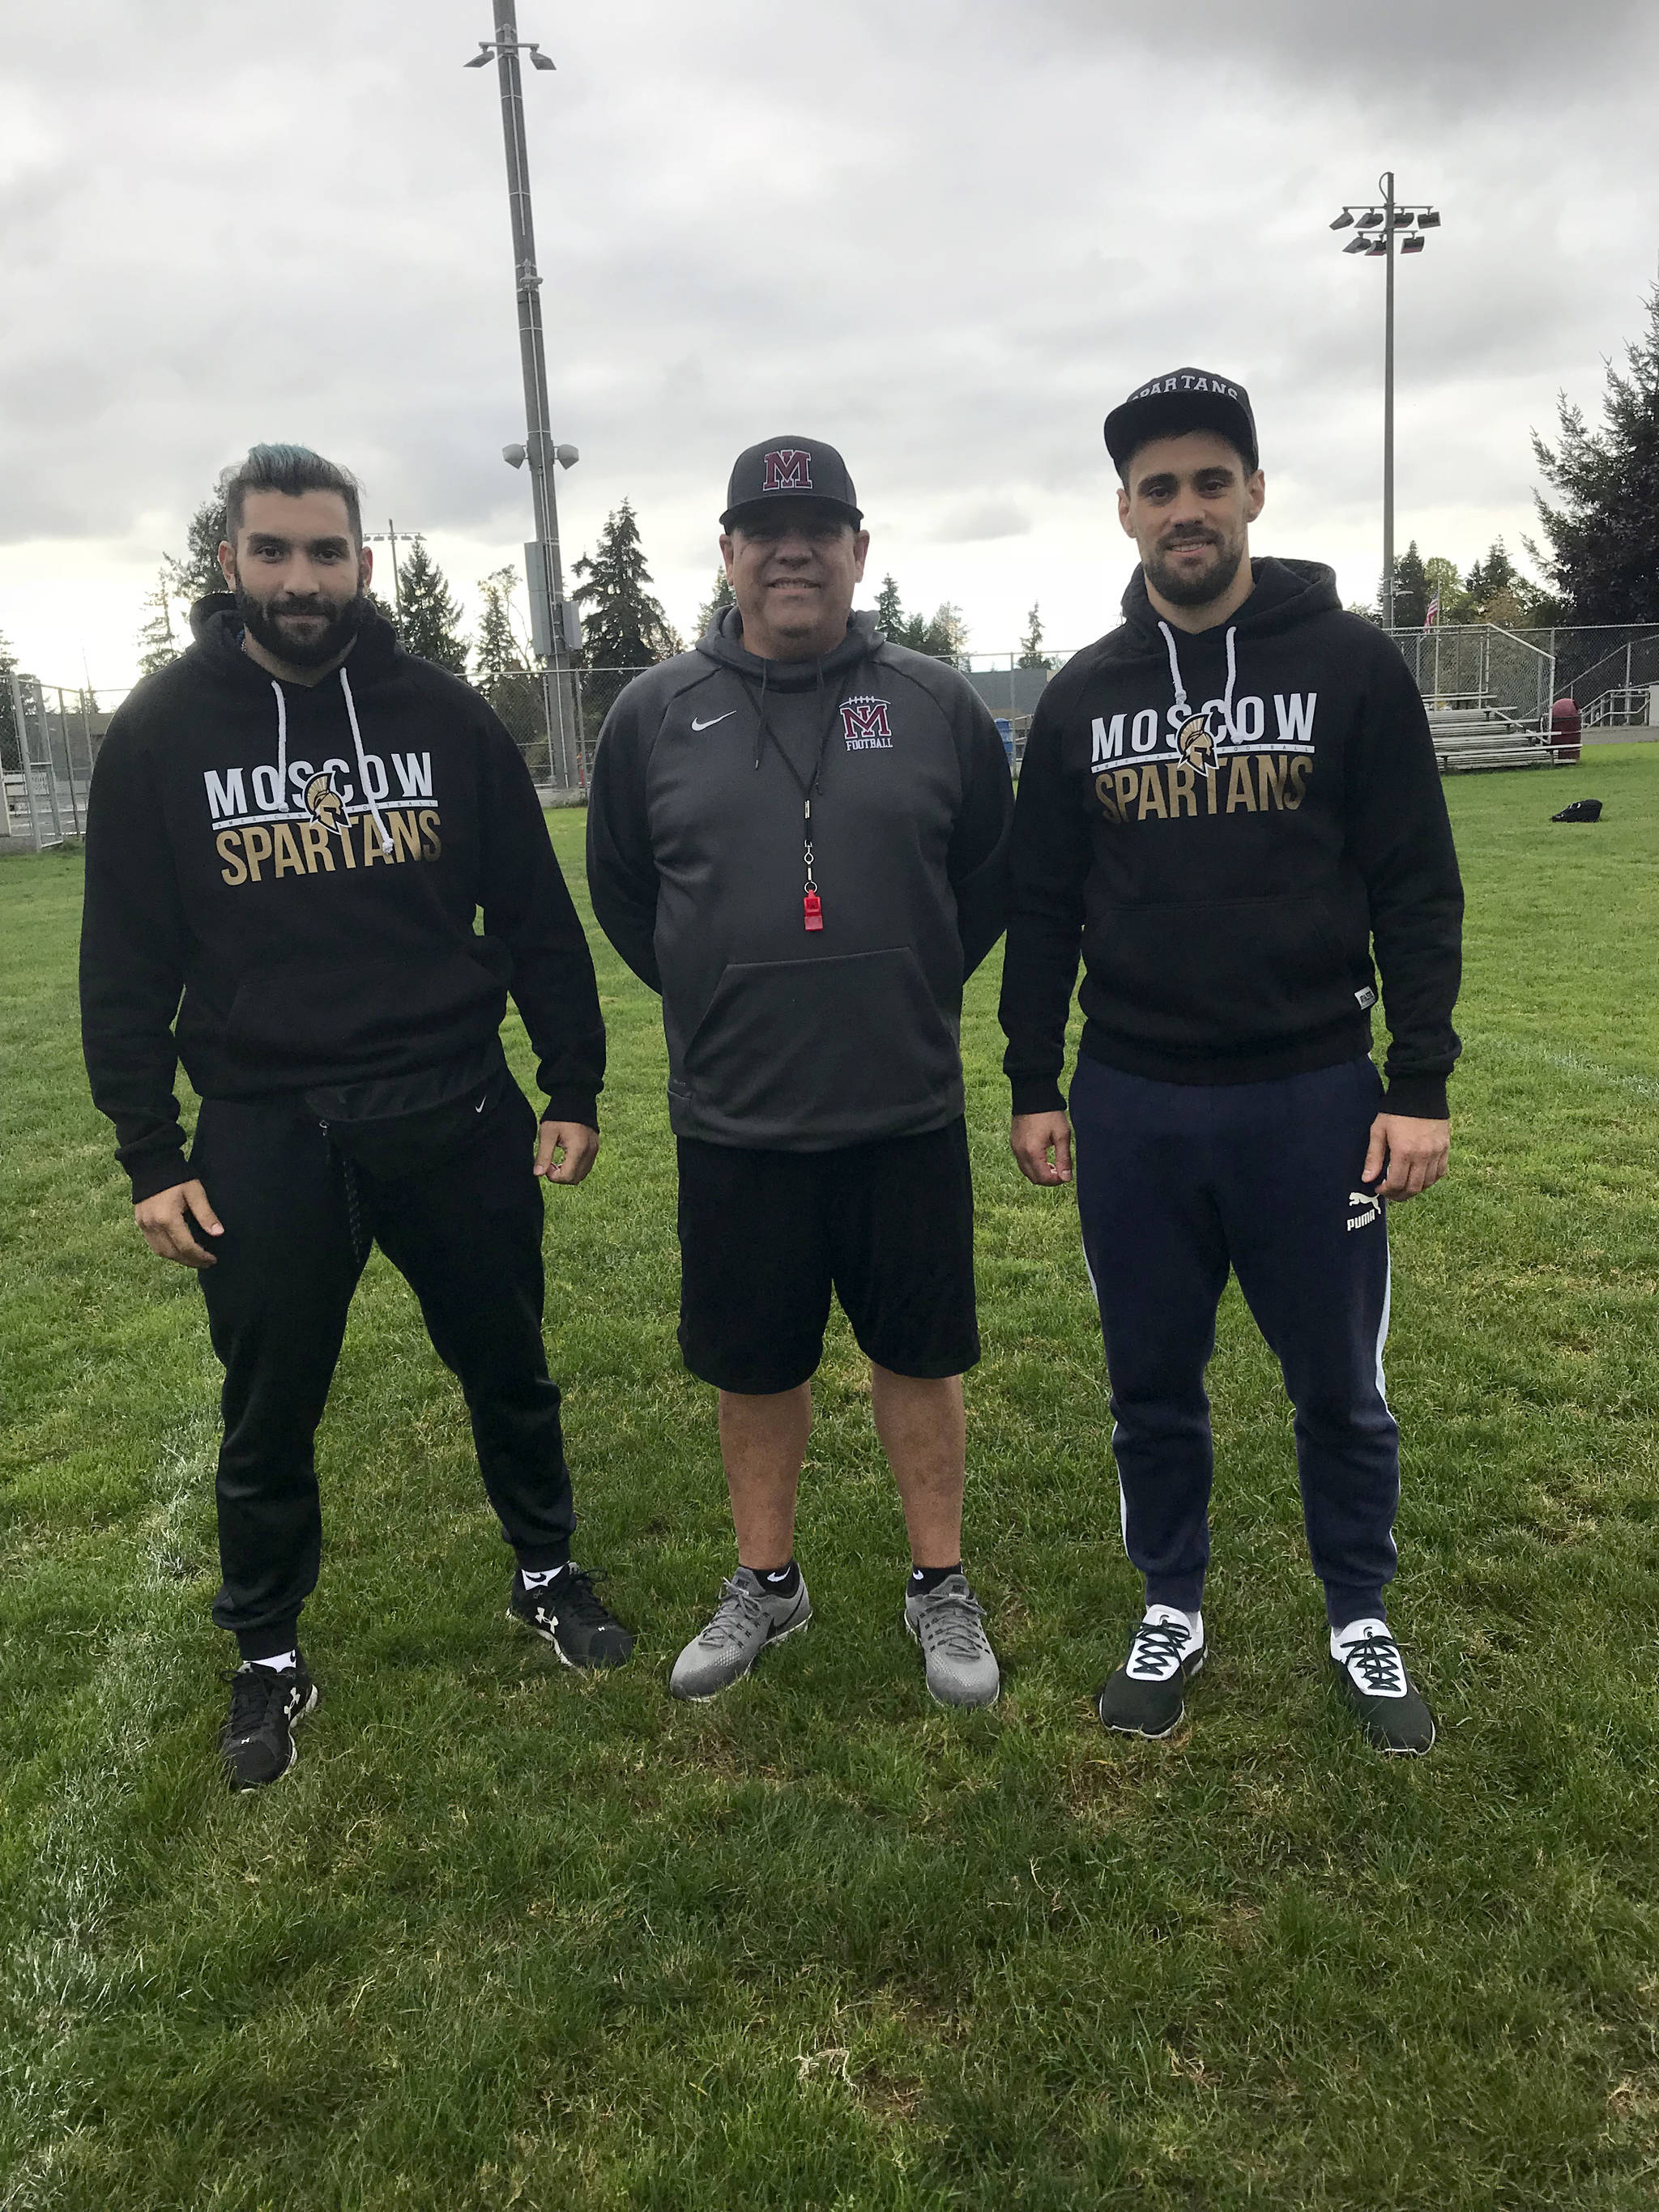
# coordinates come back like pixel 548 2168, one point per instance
pixel 50 733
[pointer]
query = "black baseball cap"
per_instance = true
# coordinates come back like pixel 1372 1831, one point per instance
pixel 790 468
pixel 1185 399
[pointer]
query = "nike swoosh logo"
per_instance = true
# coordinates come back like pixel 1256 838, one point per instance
pixel 712 718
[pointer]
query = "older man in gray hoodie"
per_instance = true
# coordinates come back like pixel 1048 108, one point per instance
pixel 797 834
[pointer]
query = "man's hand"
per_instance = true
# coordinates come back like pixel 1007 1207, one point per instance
pixel 575 1141
pixel 1033 1137
pixel 1416 1153
pixel 166 1220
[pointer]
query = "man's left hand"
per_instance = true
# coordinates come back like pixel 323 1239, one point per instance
pixel 577 1147
pixel 1415 1153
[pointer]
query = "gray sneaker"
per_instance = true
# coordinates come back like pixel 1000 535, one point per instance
pixel 948 1625
pixel 747 1619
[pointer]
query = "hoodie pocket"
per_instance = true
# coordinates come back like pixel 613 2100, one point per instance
pixel 1198 978
pixel 306 1016
pixel 823 1047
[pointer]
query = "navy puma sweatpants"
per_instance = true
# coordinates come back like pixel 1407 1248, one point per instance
pixel 1176 1184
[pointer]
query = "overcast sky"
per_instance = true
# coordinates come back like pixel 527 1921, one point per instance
pixel 944 236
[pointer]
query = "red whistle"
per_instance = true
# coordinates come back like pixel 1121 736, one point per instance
pixel 812 910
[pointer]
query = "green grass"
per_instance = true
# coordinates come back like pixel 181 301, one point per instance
pixel 508 1937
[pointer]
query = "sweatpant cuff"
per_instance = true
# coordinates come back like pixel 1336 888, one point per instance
pixel 540 1559
pixel 1343 1605
pixel 269 1643
pixel 1184 1592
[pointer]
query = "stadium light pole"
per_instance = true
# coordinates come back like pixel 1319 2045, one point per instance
pixel 389 537
pixel 1375 225
pixel 550 615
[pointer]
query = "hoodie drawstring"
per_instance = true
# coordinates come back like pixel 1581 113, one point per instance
pixel 363 765
pixel 1181 707
pixel 282 745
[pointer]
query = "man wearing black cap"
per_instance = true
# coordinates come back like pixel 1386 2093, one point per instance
pixel 797 834
pixel 1228 806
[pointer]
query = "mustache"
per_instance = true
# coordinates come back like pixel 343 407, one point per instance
pixel 1190 534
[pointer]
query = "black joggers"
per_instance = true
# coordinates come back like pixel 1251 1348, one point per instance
pixel 465 1232
pixel 1176 1184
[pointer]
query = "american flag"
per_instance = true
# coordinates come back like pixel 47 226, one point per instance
pixel 1433 614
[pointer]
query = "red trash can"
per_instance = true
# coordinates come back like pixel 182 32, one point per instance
pixel 1563 729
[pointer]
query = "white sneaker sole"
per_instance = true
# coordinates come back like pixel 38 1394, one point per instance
pixel 950 1704
pixel 707 1697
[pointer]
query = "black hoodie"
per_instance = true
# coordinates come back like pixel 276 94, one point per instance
pixel 303 863
pixel 779 1035
pixel 1225 825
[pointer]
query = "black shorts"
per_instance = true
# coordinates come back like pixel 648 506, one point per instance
pixel 765 1237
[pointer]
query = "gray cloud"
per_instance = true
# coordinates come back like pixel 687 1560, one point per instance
pixel 949 239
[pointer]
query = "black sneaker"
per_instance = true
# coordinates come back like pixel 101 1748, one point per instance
pixel 1146 1696
pixel 257 1742
pixel 1374 1675
pixel 567 1614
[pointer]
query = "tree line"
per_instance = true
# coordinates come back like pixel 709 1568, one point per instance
pixel 1598 563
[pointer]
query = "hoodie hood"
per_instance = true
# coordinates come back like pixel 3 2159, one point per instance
pixel 722 641
pixel 1286 592
pixel 216 625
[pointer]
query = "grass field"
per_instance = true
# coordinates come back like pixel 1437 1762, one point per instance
pixel 507 1937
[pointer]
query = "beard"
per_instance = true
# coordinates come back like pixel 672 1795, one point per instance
pixel 1190 588
pixel 341 624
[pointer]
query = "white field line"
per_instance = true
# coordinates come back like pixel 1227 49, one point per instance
pixel 58 1972
pixel 1645 1087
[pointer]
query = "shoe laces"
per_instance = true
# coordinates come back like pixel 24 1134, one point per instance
pixel 949 1622
pixel 253 1690
pixel 575 1597
pixel 735 1618
pixel 1157 1648
pixel 1376 1661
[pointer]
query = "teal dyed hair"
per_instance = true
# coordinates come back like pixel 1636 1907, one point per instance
pixel 290 469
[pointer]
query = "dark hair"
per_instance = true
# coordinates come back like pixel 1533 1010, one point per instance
pixel 292 469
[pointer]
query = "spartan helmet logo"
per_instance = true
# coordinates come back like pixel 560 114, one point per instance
pixel 1196 744
pixel 322 801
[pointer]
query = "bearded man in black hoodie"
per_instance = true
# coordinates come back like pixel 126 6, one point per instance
pixel 290 831
pixel 797 834
pixel 1226 806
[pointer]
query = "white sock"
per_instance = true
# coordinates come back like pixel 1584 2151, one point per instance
pixel 1341 1637
pixel 539 1577
pixel 280 1662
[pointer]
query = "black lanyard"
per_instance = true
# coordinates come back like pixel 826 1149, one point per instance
pixel 811 904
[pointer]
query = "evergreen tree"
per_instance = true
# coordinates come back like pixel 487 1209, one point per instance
pixel 431 612
pixel 386 611
pixel 1411 589
pixel 1031 655
pixel 718 600
pixel 10 757
pixel 158 640
pixel 1603 528
pixel 195 573
pixel 1440 575
pixel 496 654
pixel 943 636
pixel 890 612
pixel 624 627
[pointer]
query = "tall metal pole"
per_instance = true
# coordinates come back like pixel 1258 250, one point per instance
pixel 538 443
pixel 1387 182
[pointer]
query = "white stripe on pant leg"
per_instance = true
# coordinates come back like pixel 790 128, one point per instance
pixel 1382 1385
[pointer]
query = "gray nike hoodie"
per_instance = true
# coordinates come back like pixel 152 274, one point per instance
pixel 781 1034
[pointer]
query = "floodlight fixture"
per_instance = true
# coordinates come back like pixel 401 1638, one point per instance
pixel 484 56
pixel 1413 245
pixel 566 456
pixel 1370 220
pixel 513 455
pixel 1372 252
pixel 539 60
pixel 1358 244
pixel 1343 220
pixel 1402 218
pixel 1429 219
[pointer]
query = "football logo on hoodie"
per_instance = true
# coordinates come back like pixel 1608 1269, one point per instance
pixel 864 725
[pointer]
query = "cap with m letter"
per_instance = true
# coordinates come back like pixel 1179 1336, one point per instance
pixel 1185 399
pixel 789 468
